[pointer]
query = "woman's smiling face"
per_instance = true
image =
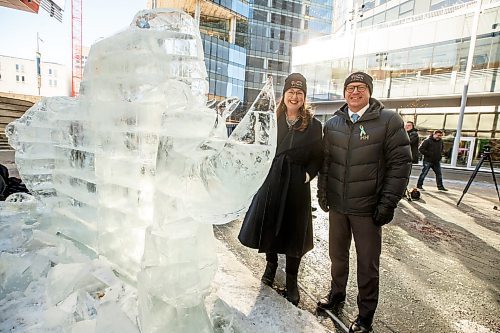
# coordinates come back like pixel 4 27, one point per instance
pixel 294 98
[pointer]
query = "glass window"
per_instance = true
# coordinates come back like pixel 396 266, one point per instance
pixel 259 15
pixel 437 4
pixel 406 9
pixel 444 57
pixel 399 62
pixel 431 121
pixel 366 22
pixel 420 59
pixel 486 122
pixel 392 14
pixel 379 18
pixel 213 50
pixel 370 4
pixel 276 65
pixel 275 18
pixel 481 53
pixel 469 124
pixel 279 4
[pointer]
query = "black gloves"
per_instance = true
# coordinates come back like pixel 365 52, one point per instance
pixel 322 186
pixel 323 201
pixel 383 215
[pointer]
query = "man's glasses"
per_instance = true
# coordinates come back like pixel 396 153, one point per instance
pixel 351 89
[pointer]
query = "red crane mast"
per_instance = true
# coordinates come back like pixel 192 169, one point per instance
pixel 76 46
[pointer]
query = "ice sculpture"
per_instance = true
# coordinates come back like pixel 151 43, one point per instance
pixel 138 168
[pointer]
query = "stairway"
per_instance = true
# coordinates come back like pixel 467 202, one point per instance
pixel 11 108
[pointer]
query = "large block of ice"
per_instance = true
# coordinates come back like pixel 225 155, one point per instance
pixel 138 168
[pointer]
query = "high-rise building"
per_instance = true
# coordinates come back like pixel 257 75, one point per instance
pixel 225 55
pixel 417 53
pixel 246 41
pixel 274 27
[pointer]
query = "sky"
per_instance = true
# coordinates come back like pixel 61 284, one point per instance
pixel 100 19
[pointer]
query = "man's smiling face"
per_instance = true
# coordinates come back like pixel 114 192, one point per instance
pixel 357 96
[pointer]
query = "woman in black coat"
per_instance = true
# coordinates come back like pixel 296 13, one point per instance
pixel 279 220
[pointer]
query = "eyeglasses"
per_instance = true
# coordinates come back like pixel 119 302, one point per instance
pixel 351 89
pixel 298 93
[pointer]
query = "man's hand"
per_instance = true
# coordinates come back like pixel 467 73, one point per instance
pixel 322 200
pixel 383 215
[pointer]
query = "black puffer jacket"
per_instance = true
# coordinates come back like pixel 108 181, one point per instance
pixel 367 163
pixel 431 149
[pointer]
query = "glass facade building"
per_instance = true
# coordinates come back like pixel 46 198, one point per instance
pixel 417 53
pixel 225 54
pixel 274 27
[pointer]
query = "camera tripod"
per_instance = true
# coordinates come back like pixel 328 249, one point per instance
pixel 485 155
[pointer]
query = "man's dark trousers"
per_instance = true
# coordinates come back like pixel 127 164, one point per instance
pixel 368 243
pixel 436 167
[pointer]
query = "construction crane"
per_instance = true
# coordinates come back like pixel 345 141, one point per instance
pixel 76 46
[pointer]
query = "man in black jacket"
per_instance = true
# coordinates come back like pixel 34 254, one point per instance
pixel 413 135
pixel 432 148
pixel 367 164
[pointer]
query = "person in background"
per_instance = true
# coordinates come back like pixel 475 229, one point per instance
pixel 413 135
pixel 366 167
pixel 432 148
pixel 279 220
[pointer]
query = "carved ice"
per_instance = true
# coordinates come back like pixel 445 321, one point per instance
pixel 138 169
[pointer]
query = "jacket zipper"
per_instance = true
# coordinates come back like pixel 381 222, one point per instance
pixel 346 174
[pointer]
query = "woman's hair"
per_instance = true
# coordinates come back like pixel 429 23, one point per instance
pixel 306 113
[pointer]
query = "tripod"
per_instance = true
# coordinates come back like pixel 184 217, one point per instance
pixel 485 155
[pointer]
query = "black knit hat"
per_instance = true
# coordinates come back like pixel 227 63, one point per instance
pixel 360 77
pixel 297 81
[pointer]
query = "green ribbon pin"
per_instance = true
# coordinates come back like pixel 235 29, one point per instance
pixel 362 131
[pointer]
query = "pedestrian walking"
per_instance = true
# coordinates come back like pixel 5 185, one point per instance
pixel 366 167
pixel 279 220
pixel 432 149
pixel 413 135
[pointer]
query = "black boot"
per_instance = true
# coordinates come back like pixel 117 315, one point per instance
pixel 292 289
pixel 269 274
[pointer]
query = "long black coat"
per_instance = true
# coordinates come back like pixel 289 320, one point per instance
pixel 413 135
pixel 279 219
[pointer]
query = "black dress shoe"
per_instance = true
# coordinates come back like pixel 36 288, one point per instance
pixel 332 300
pixel 360 326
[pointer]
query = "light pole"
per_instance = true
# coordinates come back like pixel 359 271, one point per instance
pixel 354 20
pixel 38 63
pixel 468 69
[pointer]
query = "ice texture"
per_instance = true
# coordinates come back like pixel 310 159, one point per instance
pixel 139 168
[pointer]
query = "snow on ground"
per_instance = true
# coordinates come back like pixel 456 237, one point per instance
pixel 50 284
